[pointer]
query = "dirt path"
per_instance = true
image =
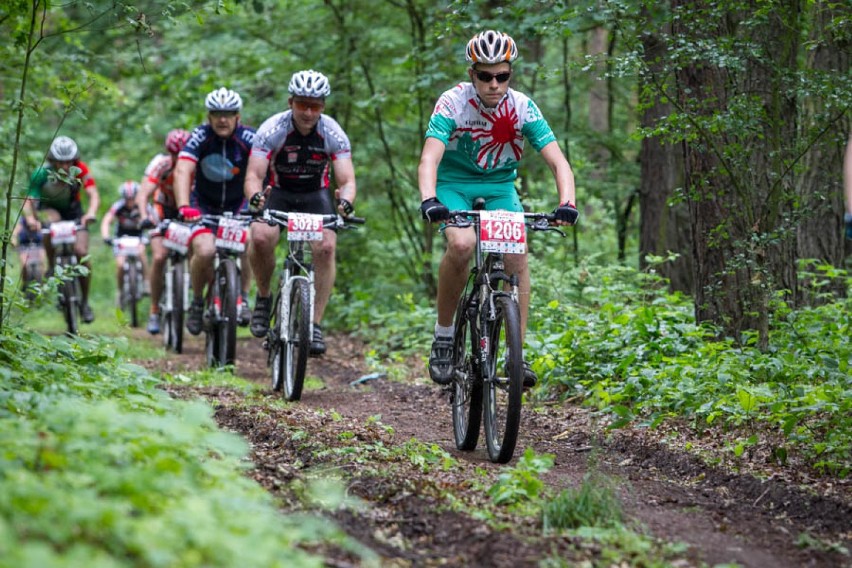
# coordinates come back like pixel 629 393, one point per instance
pixel 721 516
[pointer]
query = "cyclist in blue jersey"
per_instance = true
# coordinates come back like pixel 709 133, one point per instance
pixel 297 147
pixel 474 142
pixel 208 179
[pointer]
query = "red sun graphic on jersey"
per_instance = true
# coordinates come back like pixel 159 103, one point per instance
pixel 499 138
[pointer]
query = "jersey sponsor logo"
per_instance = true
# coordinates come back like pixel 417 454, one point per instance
pixel 292 157
pixel 217 168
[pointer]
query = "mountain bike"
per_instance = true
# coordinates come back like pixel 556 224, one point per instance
pixel 63 237
pixel 174 298
pixel 132 277
pixel 488 358
pixel 223 298
pixel 32 270
pixel 291 320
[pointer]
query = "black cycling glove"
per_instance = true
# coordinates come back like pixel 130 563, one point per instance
pixel 567 213
pixel 433 210
pixel 346 205
pixel 255 202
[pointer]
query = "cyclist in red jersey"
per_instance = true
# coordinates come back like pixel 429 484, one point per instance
pixel 54 191
pixel 158 182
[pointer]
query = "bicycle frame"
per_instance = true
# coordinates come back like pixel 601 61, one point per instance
pixel 291 329
pixel 488 347
pixel 63 237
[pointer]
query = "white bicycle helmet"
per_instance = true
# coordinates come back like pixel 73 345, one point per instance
pixel 491 47
pixel 309 83
pixel 223 100
pixel 128 190
pixel 63 149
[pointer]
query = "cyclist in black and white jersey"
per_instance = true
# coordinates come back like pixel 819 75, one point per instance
pixel 296 147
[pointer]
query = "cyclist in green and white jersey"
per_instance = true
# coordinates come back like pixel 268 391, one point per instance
pixel 474 142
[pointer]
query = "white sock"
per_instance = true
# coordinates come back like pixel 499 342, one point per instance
pixel 445 330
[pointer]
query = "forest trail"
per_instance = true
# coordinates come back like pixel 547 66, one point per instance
pixel 722 517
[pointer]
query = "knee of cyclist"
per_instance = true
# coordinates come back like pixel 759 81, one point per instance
pixel 461 251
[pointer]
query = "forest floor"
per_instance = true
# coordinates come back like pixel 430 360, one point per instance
pixel 424 503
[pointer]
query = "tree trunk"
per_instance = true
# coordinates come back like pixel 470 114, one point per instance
pixel 820 234
pixel 739 184
pixel 663 228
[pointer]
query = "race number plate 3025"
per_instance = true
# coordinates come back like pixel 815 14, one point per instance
pixel 503 232
pixel 304 227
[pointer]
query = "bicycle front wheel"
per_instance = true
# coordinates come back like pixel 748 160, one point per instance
pixel 229 290
pixel 131 276
pixel 297 342
pixel 71 305
pixel 175 316
pixel 467 382
pixel 503 380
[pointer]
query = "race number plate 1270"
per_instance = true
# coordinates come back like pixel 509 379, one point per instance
pixel 232 234
pixel 503 231
pixel 304 227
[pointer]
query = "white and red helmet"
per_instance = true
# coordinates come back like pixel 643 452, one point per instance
pixel 176 139
pixel 491 47
pixel 128 190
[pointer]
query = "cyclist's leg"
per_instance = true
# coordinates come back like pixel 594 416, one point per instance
pixel 81 249
pixel 261 255
pixel 155 276
pixel 201 264
pixel 49 216
pixel 323 253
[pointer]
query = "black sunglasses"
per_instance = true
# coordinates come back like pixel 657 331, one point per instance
pixel 487 77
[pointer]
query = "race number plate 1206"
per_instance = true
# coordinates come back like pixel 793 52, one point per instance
pixel 503 232
pixel 304 227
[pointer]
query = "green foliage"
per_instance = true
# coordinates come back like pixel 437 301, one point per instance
pixel 633 350
pixel 593 504
pixel 100 468
pixel 522 482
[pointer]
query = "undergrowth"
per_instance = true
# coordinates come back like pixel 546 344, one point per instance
pixel 100 468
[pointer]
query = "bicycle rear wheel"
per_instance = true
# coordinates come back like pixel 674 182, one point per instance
pixel 132 292
pixel 467 382
pixel 503 380
pixel 178 307
pixel 229 290
pixel 295 344
pixel 212 309
pixel 71 305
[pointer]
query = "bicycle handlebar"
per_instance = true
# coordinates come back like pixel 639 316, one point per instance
pixel 535 221
pixel 277 217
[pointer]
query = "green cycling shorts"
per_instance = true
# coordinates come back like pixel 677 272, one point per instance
pixel 459 196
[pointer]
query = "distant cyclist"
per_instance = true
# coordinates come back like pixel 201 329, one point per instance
pixel 54 191
pixel 126 214
pixel 159 183
pixel 217 154
pixel 474 142
pixel 31 254
pixel 297 147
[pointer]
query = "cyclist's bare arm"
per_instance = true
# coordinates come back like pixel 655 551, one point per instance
pixel 182 181
pixel 344 177
pixel 255 172
pixel 561 170
pixel 105 224
pixel 145 190
pixel 28 212
pixel 94 202
pixel 427 171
